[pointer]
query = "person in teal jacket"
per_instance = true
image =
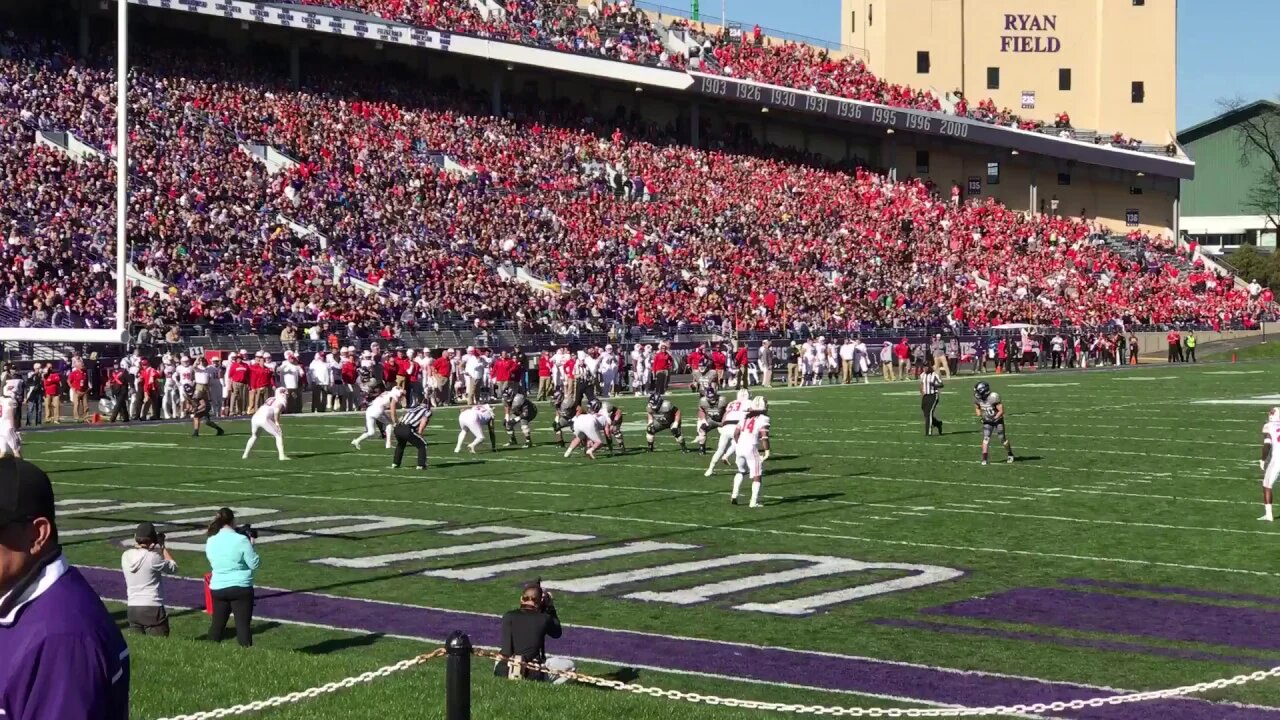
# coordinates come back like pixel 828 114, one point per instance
pixel 233 561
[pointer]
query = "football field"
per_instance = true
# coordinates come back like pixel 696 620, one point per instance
pixel 1121 552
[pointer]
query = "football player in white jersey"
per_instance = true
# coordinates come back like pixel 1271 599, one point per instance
pixel 10 440
pixel 474 420
pixel 646 368
pixel 185 374
pixel 13 386
pixel 751 438
pixel 608 372
pixel 267 419
pixel 637 370
pixel 734 413
pixel 590 427
pixel 1270 462
pixel 558 359
pixel 171 395
pixel 808 363
pixel 380 415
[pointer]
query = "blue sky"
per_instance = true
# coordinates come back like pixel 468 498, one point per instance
pixel 1225 47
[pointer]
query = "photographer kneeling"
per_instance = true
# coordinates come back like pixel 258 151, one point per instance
pixel 232 561
pixel 524 636
pixel 143 566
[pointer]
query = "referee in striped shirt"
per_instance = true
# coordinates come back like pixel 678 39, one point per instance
pixel 409 428
pixel 930 386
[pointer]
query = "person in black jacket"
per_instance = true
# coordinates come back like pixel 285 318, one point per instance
pixel 524 637
pixel 33 384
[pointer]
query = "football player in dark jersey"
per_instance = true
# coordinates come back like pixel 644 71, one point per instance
pixel 521 411
pixel 199 408
pixel 564 408
pixel 615 420
pixel 662 415
pixel 711 409
pixel 990 409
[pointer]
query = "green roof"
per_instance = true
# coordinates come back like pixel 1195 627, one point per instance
pixel 1226 120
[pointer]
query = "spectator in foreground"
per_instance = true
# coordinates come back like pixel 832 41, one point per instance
pixel 233 562
pixel 144 566
pixel 524 636
pixel 64 657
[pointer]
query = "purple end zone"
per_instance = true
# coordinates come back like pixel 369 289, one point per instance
pixel 1108 645
pixel 1148 617
pixel 748 662
pixel 1172 590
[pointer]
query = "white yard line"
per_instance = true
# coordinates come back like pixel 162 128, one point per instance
pixel 954 508
pixel 885 478
pixel 693 526
pixel 800 440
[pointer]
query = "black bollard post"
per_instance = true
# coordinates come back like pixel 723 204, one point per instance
pixel 457 677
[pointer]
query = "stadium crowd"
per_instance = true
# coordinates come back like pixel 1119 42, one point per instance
pixel 621 224
pixel 619 30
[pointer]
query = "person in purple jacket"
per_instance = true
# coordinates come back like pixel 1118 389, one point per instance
pixel 63 658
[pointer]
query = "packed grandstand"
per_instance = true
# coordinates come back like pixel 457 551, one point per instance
pixel 625 32
pixel 406 204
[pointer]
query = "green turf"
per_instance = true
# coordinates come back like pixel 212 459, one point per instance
pixel 1124 479
pixel 1261 351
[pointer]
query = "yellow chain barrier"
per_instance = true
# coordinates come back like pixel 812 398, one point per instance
pixel 309 693
pixel 1028 709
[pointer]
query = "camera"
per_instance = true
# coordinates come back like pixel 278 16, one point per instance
pixel 544 597
pixel 248 531
pixel 159 539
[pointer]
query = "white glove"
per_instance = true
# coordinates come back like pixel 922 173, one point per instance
pixel 765 456
pixel 1262 465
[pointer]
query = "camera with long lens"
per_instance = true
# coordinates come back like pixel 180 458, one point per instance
pixel 248 531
